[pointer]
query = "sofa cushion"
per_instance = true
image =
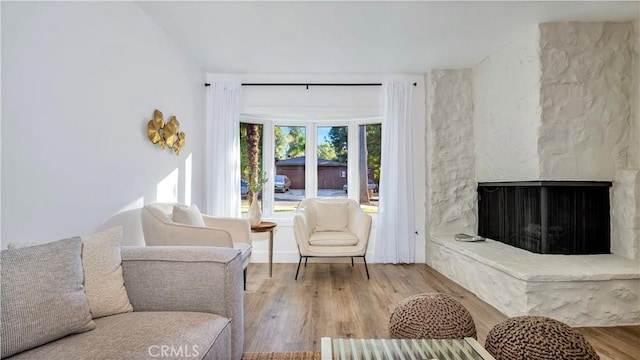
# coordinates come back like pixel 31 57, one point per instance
pixel 332 238
pixel 331 216
pixel 43 297
pixel 144 335
pixel 188 215
pixel 103 280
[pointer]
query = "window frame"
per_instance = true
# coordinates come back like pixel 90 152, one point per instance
pixel 311 152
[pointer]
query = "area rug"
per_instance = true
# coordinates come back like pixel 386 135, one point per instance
pixel 301 355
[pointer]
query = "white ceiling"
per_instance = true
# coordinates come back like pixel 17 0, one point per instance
pixel 359 37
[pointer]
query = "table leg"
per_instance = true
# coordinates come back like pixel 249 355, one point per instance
pixel 270 252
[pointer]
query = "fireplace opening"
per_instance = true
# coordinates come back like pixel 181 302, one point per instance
pixel 547 217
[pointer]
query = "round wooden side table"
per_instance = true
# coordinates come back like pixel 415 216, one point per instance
pixel 267 226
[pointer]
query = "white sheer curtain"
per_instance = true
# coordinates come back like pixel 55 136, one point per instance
pixel 395 239
pixel 222 158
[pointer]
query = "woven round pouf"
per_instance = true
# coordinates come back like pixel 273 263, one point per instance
pixel 431 316
pixel 537 337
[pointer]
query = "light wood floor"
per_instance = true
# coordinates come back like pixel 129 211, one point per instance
pixel 336 300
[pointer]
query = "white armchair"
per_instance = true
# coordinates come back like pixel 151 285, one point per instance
pixel 331 227
pixel 160 229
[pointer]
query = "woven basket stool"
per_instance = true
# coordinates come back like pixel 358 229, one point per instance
pixel 431 316
pixel 537 337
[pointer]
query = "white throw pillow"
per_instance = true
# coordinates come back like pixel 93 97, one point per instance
pixel 103 280
pixel 188 215
pixel 331 216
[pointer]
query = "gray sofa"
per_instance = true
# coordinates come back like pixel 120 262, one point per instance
pixel 187 304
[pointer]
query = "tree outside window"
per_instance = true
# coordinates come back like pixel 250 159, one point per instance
pixel 370 140
pixel 251 174
pixel 290 160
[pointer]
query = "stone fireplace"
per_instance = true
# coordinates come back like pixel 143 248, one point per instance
pixel 547 217
pixel 557 104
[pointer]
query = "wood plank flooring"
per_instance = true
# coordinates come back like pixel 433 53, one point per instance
pixel 337 300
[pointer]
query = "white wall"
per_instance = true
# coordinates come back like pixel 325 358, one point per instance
pixel 506 96
pixel 451 182
pixel 326 102
pixel 80 80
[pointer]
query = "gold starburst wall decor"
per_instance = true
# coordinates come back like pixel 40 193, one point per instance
pixel 169 134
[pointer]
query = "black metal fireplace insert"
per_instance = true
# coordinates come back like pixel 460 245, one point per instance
pixel 547 217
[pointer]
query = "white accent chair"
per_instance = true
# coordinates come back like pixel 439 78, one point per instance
pixel 331 227
pixel 160 230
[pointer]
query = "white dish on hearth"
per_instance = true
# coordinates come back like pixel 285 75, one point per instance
pixel 468 238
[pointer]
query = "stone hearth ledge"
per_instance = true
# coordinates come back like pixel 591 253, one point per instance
pixel 580 290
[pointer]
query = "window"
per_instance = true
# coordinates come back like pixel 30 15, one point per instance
pixel 290 143
pixel 370 139
pixel 332 160
pixel 305 158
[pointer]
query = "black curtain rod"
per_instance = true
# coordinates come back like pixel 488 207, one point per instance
pixel 310 84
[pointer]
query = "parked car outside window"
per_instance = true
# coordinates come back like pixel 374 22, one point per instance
pixel 244 188
pixel 282 183
pixel 371 185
